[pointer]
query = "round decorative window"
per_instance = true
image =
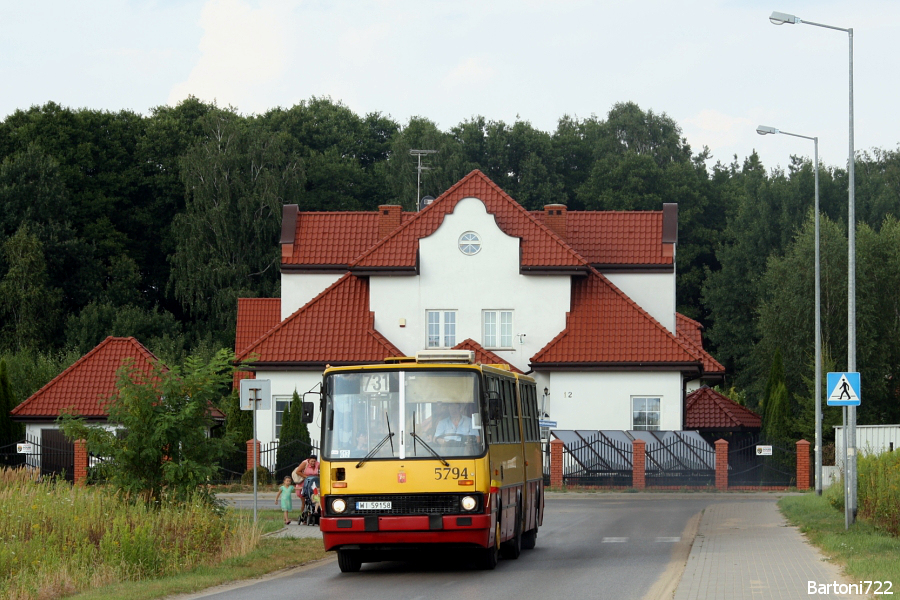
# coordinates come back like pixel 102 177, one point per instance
pixel 469 243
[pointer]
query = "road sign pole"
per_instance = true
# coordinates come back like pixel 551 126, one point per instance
pixel 255 452
pixel 846 473
pixel 851 453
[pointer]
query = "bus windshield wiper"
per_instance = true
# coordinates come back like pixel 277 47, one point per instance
pixel 430 449
pixel 390 434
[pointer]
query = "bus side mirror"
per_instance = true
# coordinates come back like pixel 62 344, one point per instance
pixel 321 403
pixel 308 408
pixel 495 408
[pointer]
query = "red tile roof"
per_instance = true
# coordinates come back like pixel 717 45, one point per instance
pixel 708 409
pixel 540 247
pixel 86 386
pixel 334 238
pixel 615 237
pixel 335 327
pixel 255 316
pixel 482 356
pixel 689 331
pixel 606 327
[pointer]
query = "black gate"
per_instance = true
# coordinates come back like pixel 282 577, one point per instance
pixel 679 459
pixel 749 464
pixel 50 455
pixel 57 455
pixel 597 460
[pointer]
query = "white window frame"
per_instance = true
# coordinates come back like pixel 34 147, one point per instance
pixel 440 328
pixel 497 328
pixel 639 406
pixel 280 403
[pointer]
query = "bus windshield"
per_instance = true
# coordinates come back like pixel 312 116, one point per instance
pixel 416 413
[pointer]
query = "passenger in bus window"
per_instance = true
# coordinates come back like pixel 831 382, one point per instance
pixel 362 444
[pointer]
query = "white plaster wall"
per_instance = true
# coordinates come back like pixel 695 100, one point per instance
pixel 602 400
pixel 654 292
pixel 450 280
pixel 299 288
pixel 283 384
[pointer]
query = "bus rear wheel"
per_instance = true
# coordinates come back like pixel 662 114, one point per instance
pixel 349 561
pixel 529 539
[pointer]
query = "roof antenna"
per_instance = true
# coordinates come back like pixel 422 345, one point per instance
pixel 420 168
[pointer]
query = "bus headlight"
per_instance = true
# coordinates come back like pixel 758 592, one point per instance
pixel 468 503
pixel 338 505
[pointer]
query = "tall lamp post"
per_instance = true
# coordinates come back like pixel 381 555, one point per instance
pixel 763 130
pixel 779 18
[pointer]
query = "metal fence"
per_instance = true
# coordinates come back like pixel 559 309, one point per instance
pixel 596 458
pixel 293 453
pixel 678 458
pixel 50 455
pixel 748 466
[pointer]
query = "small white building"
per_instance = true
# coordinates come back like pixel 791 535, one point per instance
pixel 584 301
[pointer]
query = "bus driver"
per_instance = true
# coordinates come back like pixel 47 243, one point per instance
pixel 454 426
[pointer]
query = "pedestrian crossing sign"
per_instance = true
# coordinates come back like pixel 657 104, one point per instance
pixel 843 389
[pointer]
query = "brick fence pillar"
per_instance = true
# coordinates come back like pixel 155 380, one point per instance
pixel 721 465
pixel 803 474
pixel 556 463
pixel 81 462
pixel 638 462
pixel 250 454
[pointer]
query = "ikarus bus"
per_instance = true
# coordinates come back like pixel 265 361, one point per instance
pixel 429 450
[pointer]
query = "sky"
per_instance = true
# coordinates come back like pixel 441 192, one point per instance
pixel 718 68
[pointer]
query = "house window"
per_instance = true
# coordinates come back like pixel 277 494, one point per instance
pixel 498 328
pixel 469 243
pixel 441 328
pixel 281 404
pixel 645 414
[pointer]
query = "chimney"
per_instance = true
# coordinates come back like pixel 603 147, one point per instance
pixel 670 228
pixel 289 214
pixel 389 219
pixel 555 218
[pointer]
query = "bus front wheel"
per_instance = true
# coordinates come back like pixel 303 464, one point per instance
pixel 512 548
pixel 491 556
pixel 349 561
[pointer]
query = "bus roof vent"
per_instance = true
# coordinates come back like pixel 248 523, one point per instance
pixel 446 356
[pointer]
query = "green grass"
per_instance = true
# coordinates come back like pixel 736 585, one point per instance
pixel 865 552
pixel 270 556
pixel 58 540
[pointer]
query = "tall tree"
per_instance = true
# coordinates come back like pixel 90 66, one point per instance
pixel 237 180
pixel 28 301
pixel 10 431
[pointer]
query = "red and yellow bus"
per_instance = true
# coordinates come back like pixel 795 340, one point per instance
pixel 426 451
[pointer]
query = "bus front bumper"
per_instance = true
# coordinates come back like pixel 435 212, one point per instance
pixel 418 530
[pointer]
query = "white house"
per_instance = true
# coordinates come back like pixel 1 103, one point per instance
pixel 584 301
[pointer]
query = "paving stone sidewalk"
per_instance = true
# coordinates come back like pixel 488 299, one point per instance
pixel 747 550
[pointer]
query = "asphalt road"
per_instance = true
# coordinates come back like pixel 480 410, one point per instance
pixel 590 546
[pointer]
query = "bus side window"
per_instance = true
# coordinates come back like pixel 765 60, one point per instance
pixel 514 402
pixel 510 421
pixel 534 430
pixel 491 385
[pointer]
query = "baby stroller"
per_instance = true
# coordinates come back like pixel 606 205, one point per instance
pixel 312 508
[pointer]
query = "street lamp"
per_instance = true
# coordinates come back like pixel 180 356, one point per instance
pixel 763 130
pixel 779 18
